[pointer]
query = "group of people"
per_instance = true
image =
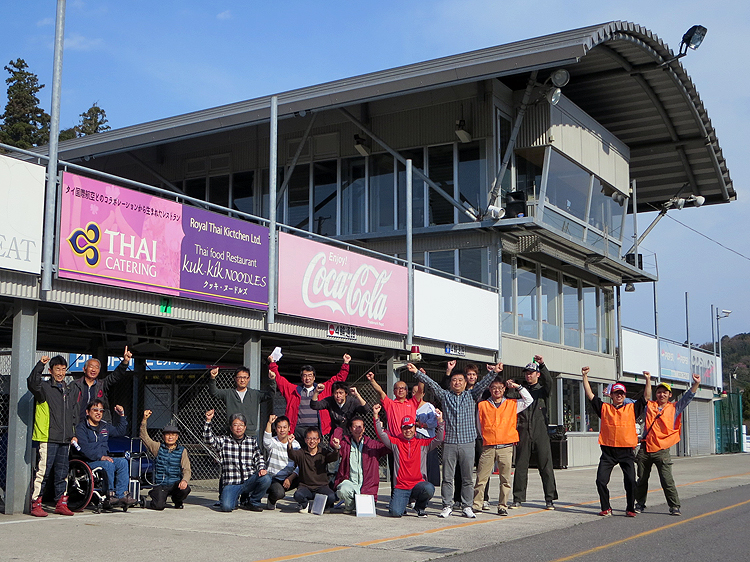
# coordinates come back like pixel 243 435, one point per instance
pixel 480 424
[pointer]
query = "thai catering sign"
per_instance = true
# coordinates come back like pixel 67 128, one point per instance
pixel 124 238
pixel 326 283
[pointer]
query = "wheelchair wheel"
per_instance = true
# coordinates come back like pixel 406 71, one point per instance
pixel 80 485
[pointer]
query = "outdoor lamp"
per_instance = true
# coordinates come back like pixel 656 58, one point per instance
pixel 693 38
pixel 360 146
pixel 461 132
pixel 553 95
pixel 560 78
pixel 629 288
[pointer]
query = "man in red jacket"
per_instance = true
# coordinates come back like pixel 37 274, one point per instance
pixel 410 463
pixel 359 470
pixel 298 410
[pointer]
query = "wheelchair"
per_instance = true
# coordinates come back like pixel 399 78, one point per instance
pixel 86 487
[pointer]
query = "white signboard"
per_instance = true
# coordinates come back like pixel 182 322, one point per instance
pixel 458 313
pixel 640 352
pixel 21 214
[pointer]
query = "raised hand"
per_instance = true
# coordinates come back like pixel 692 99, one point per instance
pixel 209 416
pixel 585 371
pixel 272 418
pixel 376 410
pixel 271 375
pixel 439 415
pixel 347 358
pixel 320 388
pixel 146 414
pixel 45 359
pixel 214 372
pixel 335 443
pixel 120 410
pixel 370 376
pixel 411 367
pixel 127 355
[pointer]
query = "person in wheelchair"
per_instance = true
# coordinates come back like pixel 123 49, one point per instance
pixel 171 466
pixel 93 438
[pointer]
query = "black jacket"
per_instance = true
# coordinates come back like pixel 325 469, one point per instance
pixel 56 413
pixel 534 419
pixel 83 393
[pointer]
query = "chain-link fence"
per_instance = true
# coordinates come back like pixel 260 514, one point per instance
pixel 4 416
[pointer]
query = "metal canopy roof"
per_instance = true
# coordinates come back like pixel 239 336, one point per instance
pixel 615 77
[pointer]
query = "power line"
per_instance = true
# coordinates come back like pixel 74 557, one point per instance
pixel 709 238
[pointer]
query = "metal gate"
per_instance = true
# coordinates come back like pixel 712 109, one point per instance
pixel 700 418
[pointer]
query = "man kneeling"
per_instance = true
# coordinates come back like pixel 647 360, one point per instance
pixel 409 463
pixel 171 466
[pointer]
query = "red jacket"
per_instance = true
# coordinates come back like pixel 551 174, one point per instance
pixel 372 450
pixel 291 393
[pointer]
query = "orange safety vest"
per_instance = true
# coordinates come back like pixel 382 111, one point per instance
pixel 664 430
pixel 618 426
pixel 498 423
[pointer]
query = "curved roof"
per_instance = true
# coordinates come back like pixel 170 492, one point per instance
pixel 615 76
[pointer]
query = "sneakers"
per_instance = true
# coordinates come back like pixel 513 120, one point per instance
pixel 468 512
pixel 62 506
pixel 486 506
pixel 446 512
pixel 270 506
pixel 178 505
pixel 254 507
pixel 605 513
pixel 674 511
pixel 348 511
pixel 36 508
pixel 501 510
pixel 514 505
pixel 640 508
pixel 411 504
pixel 631 514
pixel 302 507
pixel 421 513
pixel 549 506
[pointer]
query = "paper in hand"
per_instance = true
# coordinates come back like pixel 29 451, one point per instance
pixel 276 355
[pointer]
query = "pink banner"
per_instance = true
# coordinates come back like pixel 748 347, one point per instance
pixel 326 283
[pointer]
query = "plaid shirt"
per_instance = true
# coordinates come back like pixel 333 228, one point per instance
pixel 240 459
pixel 459 410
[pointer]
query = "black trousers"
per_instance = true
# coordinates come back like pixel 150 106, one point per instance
pixel 303 495
pixel 159 495
pixel 536 443
pixel 612 456
pixel 277 492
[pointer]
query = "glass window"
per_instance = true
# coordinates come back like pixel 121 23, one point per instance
pixel 471 176
pixel 441 172
pixel 571 390
pixel 443 260
pixel 381 192
pixel 571 312
pixel 196 188
pixel 417 189
pixel 565 224
pixel 606 214
pixel 472 265
pixel 529 172
pixel 353 196
pixel 417 258
pixel 506 270
pixel 242 192
pixel 298 197
pixel 527 303
pixel 325 186
pixel 218 190
pixel 591 423
pixel 567 186
pixel 607 319
pixel 504 128
pixel 590 319
pixel 549 307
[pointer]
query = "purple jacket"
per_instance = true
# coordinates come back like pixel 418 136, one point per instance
pixel 372 450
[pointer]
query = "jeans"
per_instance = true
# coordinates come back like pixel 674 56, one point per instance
pixel 118 474
pixel 255 487
pixel 51 458
pixel 458 454
pixel 421 494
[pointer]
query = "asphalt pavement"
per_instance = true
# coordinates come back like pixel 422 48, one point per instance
pixel 200 532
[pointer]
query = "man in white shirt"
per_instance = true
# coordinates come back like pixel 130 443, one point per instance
pixel 280 468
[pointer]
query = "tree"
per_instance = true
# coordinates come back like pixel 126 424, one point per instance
pixel 92 121
pixel 25 124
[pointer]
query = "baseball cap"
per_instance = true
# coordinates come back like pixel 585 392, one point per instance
pixel 617 387
pixel 665 385
pixel 407 421
pixel 531 367
pixel 170 429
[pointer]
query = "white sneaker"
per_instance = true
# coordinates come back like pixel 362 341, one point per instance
pixel 486 506
pixel 468 512
pixel 446 512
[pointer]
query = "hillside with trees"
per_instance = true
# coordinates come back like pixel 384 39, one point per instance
pixel 736 364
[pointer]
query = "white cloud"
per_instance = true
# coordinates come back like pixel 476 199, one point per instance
pixel 77 42
pixel 225 15
pixel 45 22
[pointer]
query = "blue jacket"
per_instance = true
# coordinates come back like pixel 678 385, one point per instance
pixel 94 441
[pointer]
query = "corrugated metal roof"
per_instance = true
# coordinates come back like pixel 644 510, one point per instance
pixel 658 113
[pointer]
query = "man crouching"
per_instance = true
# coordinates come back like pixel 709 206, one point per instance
pixel 171 466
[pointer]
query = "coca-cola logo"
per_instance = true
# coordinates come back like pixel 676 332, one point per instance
pixel 355 294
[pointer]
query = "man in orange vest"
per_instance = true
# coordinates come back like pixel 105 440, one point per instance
pixel 617 438
pixel 661 431
pixel 497 417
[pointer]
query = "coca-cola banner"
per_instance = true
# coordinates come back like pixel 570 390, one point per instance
pixel 326 283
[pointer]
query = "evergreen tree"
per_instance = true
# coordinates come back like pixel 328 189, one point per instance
pixel 92 121
pixel 25 124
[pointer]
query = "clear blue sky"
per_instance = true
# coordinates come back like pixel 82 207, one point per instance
pixel 147 60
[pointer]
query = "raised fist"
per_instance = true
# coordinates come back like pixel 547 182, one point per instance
pixel 347 358
pixel 214 372
pixel 209 415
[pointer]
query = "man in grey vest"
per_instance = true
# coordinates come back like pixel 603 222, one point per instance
pixel 171 466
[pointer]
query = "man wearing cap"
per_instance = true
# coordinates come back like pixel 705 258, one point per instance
pixel 410 463
pixel 617 439
pixel 533 437
pixel 171 466
pixel 661 431
pixel 243 469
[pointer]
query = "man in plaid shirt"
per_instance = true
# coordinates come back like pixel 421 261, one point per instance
pixel 243 469
pixel 459 412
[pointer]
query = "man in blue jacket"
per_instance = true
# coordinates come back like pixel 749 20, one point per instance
pixel 93 435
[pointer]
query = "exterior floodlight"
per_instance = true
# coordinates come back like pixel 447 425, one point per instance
pixel 360 146
pixel 618 198
pixel 560 77
pixel 461 132
pixel 679 203
pixel 629 288
pixel 726 313
pixel 693 37
pixel 697 200
pixel 553 95
pixel 495 212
